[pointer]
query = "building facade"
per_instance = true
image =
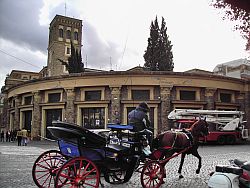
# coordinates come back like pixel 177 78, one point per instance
pixel 93 99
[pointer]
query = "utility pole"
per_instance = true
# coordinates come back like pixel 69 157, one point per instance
pixel 65 8
pixel 86 61
pixel 110 58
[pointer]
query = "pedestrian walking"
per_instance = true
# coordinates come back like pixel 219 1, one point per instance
pixel 19 137
pixel 7 136
pixel 2 136
pixel 24 137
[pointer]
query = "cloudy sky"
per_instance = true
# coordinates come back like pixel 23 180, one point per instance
pixel 115 33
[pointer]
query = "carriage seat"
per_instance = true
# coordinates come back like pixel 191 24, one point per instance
pixel 115 148
pixel 120 127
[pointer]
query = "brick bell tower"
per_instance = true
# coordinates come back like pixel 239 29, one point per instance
pixel 62 31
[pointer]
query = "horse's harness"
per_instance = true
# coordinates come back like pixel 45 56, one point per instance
pixel 188 135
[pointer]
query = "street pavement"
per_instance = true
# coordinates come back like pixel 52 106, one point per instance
pixel 16 165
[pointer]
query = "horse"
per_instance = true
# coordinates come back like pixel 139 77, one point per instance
pixel 185 141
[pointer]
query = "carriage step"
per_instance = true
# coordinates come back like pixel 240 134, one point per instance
pixel 114 169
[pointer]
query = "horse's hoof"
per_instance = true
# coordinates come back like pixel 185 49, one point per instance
pixel 181 176
pixel 197 171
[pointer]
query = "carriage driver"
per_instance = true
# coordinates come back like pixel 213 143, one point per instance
pixel 139 119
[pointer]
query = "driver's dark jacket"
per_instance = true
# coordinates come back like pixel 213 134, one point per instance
pixel 139 119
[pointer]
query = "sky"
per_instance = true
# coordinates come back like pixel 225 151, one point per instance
pixel 115 33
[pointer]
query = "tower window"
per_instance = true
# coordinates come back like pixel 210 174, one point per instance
pixel 68 34
pixel 61 33
pixel 75 35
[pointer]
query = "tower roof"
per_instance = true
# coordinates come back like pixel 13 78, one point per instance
pixel 58 17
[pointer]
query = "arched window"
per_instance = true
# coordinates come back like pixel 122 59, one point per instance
pixel 75 35
pixel 68 34
pixel 61 33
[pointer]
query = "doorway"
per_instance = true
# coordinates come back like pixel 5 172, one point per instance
pixel 27 122
pixel 52 115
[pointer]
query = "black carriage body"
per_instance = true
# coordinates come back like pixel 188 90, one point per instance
pixel 75 141
pixel 138 142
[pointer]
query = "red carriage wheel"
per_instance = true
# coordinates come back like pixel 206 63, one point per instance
pixel 152 175
pixel 45 168
pixel 78 172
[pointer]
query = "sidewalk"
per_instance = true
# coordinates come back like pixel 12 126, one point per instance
pixel 41 144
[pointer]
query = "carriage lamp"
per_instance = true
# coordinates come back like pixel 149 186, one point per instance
pixel 115 155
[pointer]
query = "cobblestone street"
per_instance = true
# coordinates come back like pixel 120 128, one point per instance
pixel 16 165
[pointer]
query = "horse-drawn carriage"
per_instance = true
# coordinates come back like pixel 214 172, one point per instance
pixel 86 157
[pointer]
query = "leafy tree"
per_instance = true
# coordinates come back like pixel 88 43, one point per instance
pixel 239 11
pixel 158 56
pixel 74 64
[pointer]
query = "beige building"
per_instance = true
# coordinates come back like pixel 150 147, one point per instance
pixel 236 69
pixel 94 98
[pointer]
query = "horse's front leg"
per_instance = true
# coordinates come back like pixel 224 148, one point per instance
pixel 183 155
pixel 196 154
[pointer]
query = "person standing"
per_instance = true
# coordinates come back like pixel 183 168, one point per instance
pixel 2 136
pixel 24 137
pixel 19 137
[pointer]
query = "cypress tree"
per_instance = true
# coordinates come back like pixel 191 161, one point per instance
pixel 152 52
pixel 166 56
pixel 159 56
